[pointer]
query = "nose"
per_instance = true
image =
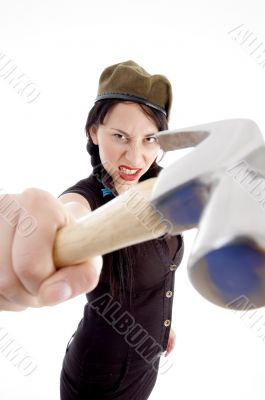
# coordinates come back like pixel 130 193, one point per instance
pixel 135 154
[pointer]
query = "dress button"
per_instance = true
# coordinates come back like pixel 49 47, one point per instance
pixel 167 322
pixel 169 293
pixel 173 267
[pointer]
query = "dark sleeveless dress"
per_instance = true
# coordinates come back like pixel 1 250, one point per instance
pixel 115 351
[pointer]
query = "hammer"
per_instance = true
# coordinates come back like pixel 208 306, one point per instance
pixel 216 188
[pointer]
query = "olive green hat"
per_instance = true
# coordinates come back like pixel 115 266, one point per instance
pixel 129 81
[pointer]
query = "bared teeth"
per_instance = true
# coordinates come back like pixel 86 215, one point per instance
pixel 128 171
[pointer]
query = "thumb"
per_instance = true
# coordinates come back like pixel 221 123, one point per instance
pixel 71 281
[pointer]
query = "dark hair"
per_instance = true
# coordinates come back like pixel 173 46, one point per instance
pixel 121 269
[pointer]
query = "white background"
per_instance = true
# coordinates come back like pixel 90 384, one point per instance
pixel 63 46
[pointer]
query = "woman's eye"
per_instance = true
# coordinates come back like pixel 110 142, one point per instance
pixel 153 137
pixel 118 134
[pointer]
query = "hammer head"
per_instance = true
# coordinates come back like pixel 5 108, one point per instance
pixel 211 189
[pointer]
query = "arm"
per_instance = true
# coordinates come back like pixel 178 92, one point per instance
pixel 76 204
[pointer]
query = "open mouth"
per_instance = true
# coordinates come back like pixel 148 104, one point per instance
pixel 128 174
pixel 128 171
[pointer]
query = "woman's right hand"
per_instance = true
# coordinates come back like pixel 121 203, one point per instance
pixel 28 277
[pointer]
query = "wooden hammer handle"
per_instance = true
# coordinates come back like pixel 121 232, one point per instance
pixel 126 220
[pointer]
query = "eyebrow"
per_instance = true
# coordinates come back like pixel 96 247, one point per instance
pixel 126 134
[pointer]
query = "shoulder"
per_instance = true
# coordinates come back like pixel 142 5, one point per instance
pixel 87 188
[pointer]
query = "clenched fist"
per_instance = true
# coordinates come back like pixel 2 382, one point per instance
pixel 28 277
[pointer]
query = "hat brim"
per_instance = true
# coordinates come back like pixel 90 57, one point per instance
pixel 125 96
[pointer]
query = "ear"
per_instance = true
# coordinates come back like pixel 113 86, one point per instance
pixel 93 133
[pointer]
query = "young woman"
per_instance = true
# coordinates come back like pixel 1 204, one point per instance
pixel 115 351
pixel 126 326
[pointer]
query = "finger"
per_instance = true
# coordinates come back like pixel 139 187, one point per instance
pixel 71 281
pixel 6 305
pixel 11 288
pixel 169 347
pixel 32 253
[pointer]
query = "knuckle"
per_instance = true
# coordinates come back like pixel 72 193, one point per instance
pixel 27 269
pixel 32 197
pixel 35 199
pixel 24 271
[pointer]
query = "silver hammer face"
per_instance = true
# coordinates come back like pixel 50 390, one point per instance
pixel 219 188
